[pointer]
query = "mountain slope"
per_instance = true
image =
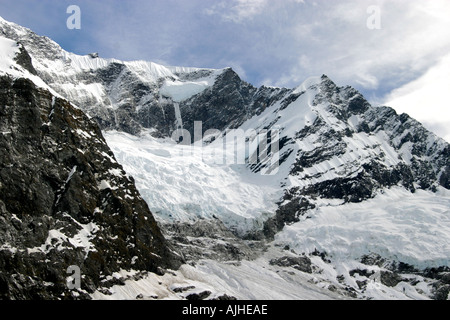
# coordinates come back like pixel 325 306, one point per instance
pixel 341 147
pixel 64 199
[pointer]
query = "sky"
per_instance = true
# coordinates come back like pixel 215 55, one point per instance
pixel 396 52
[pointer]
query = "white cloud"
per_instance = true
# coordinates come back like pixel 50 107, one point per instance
pixel 414 35
pixel 427 98
pixel 237 10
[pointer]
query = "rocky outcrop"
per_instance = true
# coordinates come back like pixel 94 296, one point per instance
pixel 210 239
pixel 300 263
pixel 364 149
pixel 228 103
pixel 23 59
pixel 64 200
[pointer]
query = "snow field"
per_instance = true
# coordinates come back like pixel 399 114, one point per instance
pixel 247 280
pixel 181 184
pixel 396 224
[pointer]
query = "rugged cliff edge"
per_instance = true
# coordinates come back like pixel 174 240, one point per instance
pixel 64 200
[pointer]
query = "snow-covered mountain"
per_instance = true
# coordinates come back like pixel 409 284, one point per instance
pixel 64 200
pixel 311 184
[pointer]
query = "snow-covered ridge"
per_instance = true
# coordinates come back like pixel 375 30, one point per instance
pixel 66 71
pixel 78 79
pixel 70 62
pixel 147 71
pixel 9 50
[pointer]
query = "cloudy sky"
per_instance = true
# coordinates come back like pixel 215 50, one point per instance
pixel 396 52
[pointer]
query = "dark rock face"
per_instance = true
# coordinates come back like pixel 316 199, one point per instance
pixel 393 272
pixel 287 213
pixel 422 158
pixel 228 103
pixel 300 263
pixel 198 296
pixel 390 279
pixel 64 200
pixel 138 105
pixel 441 286
pixel 210 239
pixel 23 59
